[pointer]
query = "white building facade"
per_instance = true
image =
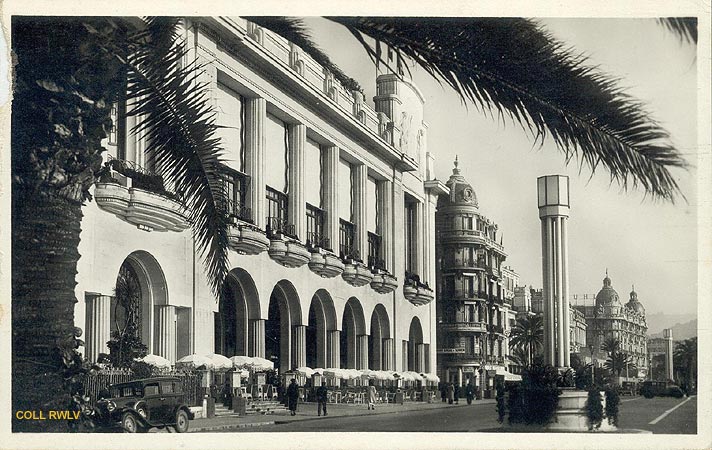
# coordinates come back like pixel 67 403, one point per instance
pixel 333 206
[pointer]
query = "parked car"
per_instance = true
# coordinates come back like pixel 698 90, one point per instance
pixel 140 405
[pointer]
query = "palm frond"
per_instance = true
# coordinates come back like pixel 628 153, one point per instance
pixel 684 27
pixel 513 68
pixel 175 115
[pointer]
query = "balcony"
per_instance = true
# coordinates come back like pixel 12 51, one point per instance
pixel 461 264
pixel 323 261
pixel 247 239
pixel 356 273
pixel 139 197
pixel 284 247
pixel 477 327
pixel 416 292
pixel 384 283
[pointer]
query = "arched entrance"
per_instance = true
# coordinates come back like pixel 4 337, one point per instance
pixel 238 310
pixel 378 340
pixel 140 305
pixel 416 349
pixel 284 331
pixel 322 319
pixel 354 342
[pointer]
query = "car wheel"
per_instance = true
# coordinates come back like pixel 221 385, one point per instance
pixel 129 423
pixel 181 421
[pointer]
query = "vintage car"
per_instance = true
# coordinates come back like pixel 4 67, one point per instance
pixel 139 405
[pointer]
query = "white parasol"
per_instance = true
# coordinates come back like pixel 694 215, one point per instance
pixel 156 361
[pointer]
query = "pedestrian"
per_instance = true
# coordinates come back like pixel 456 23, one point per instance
pixel 293 396
pixel 227 393
pixel 456 393
pixel 450 393
pixel 443 392
pixel 321 396
pixel 470 392
pixel 371 395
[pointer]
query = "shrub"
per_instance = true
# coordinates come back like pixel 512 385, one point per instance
pixel 566 379
pixel 594 409
pixel 501 407
pixel 612 402
pixel 534 401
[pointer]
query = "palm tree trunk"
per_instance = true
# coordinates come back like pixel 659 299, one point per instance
pixel 45 236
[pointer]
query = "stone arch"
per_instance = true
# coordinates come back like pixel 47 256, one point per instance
pixel 321 320
pixel 353 327
pixel 239 304
pixel 380 331
pixel 416 353
pixel 154 292
pixel 284 313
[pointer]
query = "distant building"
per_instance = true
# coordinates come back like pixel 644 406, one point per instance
pixel 537 296
pixel 473 307
pixel 522 300
pixel 609 318
pixel 660 352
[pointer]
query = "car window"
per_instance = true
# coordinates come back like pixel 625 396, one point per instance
pixel 177 387
pixel 167 388
pixel 150 389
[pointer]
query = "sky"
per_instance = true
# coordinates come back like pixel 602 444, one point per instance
pixel 647 243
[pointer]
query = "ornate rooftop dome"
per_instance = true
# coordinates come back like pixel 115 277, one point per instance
pixel 461 192
pixel 634 304
pixel 607 296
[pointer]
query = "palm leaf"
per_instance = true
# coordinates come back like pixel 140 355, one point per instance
pixel 684 27
pixel 513 68
pixel 174 113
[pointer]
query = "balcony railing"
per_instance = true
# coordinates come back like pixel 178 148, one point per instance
pixel 347 233
pixel 279 226
pixel 316 240
pixel 141 178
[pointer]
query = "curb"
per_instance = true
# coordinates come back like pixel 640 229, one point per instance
pixel 230 426
pixel 282 422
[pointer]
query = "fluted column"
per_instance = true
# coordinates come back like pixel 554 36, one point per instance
pixel 166 338
pixel 459 376
pixel 255 118
pixel 300 346
pixel 405 355
pixel 388 354
pixel 257 338
pixel 297 202
pixel 330 186
pixel 419 242
pixel 98 326
pixel 360 209
pixel 333 344
pixel 362 351
pixel 385 197
pixel 130 138
pixel 376 357
pixel 420 355
pixel 565 289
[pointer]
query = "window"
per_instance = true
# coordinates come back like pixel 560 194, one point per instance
pixel 234 184
pixel 467 223
pixel 449 286
pixel 277 154
pixel 346 240
pixel 166 388
pixel 315 228
pixel 277 213
pixel 313 180
pixel 150 389
pixel 229 120
pixel 470 289
pixel 374 252
pixel 410 237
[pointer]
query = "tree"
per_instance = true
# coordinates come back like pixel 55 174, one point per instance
pixel 685 360
pixel 528 335
pixel 69 71
pixel 617 362
pixel 611 345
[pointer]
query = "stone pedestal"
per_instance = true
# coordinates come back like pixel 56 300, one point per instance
pixel 571 416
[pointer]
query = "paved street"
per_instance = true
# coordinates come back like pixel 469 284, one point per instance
pixel 635 413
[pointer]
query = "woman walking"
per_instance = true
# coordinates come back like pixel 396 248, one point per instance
pixel 293 397
pixel 371 395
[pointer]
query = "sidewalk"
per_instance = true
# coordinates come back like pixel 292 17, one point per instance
pixel 308 411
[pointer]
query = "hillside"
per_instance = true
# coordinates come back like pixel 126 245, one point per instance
pixel 680 331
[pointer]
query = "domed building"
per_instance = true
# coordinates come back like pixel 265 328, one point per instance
pixel 610 318
pixel 473 311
